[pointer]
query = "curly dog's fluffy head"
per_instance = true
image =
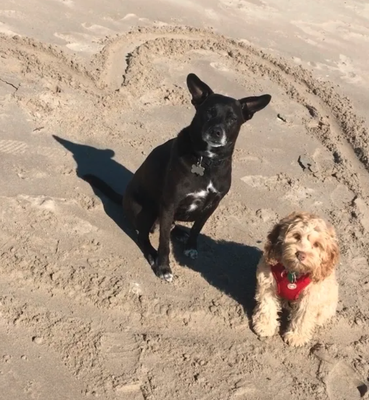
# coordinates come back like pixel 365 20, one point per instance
pixel 305 244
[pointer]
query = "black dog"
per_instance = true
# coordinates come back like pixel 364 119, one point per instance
pixel 185 178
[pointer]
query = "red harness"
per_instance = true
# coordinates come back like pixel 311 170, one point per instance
pixel 286 289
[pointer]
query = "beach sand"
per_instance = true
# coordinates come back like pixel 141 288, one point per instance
pixel 88 86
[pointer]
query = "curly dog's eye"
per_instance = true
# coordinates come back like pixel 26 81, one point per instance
pixel 316 245
pixel 297 236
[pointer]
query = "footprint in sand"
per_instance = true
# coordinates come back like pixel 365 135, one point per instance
pixel 122 353
pixel 16 147
pixel 122 358
pixel 343 383
pixel 12 147
pixel 130 392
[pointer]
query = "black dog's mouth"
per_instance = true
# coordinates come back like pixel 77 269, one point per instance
pixel 215 140
pixel 212 144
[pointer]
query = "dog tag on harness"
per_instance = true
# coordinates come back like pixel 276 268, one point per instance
pixel 197 169
pixel 292 286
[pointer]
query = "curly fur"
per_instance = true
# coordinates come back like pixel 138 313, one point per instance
pixel 298 233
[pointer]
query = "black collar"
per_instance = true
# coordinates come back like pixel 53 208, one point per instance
pixel 207 162
pixel 202 163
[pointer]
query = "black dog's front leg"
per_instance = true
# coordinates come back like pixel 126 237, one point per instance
pixel 166 219
pixel 191 245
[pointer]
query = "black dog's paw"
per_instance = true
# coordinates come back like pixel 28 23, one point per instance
pixel 192 253
pixel 164 272
pixel 179 234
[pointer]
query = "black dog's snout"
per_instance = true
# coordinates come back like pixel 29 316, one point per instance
pixel 217 131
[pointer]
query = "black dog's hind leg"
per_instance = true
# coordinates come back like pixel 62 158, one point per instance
pixel 180 234
pixel 154 226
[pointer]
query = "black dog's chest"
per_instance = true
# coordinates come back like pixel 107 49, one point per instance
pixel 195 201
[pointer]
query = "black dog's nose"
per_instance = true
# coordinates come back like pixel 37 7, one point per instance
pixel 217 131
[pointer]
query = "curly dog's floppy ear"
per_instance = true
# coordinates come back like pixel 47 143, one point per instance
pixel 273 246
pixel 330 259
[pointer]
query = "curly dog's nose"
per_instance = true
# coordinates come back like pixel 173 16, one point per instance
pixel 300 255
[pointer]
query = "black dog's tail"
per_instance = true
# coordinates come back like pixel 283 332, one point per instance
pixel 104 188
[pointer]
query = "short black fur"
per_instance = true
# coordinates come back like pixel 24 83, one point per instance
pixel 165 189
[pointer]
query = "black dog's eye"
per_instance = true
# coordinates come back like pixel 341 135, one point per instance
pixel 231 118
pixel 211 113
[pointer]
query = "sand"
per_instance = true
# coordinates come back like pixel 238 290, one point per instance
pixel 92 87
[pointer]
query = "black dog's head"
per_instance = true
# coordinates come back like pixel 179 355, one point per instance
pixel 218 118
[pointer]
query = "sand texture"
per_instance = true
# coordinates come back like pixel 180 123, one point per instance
pixel 92 87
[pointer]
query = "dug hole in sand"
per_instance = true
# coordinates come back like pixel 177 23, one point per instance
pixel 82 314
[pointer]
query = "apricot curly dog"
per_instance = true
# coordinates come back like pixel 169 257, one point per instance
pixel 297 270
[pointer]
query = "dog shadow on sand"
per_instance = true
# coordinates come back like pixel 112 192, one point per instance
pixel 228 266
pixel 100 162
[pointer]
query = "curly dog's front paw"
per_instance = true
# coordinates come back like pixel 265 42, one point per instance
pixel 295 339
pixel 264 326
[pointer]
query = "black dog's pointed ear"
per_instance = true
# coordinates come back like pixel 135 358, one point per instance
pixel 198 89
pixel 250 105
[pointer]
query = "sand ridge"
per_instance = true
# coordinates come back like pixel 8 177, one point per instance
pixel 72 277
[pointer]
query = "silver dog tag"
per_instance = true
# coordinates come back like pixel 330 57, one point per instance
pixel 197 169
pixel 292 286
